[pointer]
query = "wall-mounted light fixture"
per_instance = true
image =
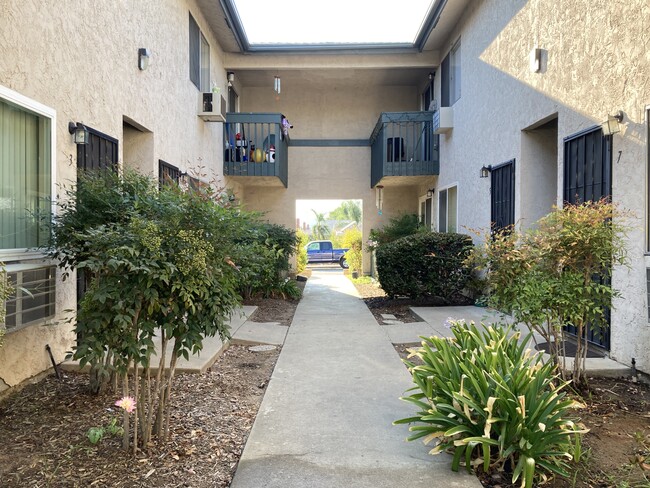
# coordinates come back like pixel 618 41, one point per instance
pixel 231 78
pixel 143 58
pixel 486 170
pixel 612 124
pixel 79 133
pixel 430 192
pixel 277 85
pixel 379 198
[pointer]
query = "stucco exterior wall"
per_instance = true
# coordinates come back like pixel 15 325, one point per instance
pixel 81 61
pixel 595 63
pixel 342 111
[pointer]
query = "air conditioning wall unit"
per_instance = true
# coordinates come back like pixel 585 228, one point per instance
pixel 443 120
pixel 212 107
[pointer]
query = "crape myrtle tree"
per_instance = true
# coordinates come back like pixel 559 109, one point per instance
pixel 159 265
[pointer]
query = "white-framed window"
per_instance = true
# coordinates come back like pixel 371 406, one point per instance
pixel 199 57
pixel 454 73
pixel 448 209
pixel 27 190
pixel 27 174
pixel 425 211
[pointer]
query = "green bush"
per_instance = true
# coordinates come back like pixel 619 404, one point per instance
pixel 544 277
pixel 353 241
pixel 262 257
pixel 398 227
pixel 485 398
pixel 425 264
pixel 283 239
pixel 159 264
pixel 301 255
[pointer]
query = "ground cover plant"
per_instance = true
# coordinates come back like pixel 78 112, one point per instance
pixel 485 398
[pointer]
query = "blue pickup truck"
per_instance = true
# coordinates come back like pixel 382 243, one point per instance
pixel 323 252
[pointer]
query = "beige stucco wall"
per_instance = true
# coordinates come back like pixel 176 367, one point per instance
pixel 597 63
pixel 81 60
pixel 337 111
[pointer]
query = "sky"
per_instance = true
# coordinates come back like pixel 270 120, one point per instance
pixel 338 21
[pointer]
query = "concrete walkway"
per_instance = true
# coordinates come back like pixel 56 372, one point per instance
pixel 326 418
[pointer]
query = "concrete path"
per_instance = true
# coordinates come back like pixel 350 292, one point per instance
pixel 326 418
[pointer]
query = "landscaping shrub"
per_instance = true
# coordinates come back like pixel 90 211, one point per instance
pixel 398 227
pixel 545 277
pixel 281 238
pixel 424 264
pixel 353 241
pixel 301 255
pixel 485 398
pixel 159 263
pixel 262 257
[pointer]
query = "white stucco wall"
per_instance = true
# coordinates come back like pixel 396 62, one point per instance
pixel 597 64
pixel 81 61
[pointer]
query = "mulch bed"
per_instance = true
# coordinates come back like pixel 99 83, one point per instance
pixel 276 310
pixel 44 427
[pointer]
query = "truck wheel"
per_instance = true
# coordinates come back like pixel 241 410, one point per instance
pixel 343 263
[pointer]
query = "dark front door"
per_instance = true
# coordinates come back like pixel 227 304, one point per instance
pixel 101 152
pixel 588 177
pixel 503 195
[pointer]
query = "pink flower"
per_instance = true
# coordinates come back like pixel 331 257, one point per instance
pixel 127 403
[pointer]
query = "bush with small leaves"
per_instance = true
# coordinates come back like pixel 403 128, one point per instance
pixel 353 241
pixel 425 264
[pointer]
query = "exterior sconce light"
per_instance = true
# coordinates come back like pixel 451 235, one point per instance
pixel 143 58
pixel 231 78
pixel 430 192
pixel 379 198
pixel 485 171
pixel 612 124
pixel 79 133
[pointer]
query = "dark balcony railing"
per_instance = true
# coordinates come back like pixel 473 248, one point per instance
pixel 403 144
pixel 255 146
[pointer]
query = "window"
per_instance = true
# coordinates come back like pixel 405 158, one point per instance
pixel 167 174
pixel 450 77
pixel 34 297
pixel 448 209
pixel 26 171
pixel 199 57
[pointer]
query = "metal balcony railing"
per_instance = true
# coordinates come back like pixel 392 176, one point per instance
pixel 403 144
pixel 255 146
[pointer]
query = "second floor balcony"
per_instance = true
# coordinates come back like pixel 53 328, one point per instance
pixel 403 144
pixel 256 146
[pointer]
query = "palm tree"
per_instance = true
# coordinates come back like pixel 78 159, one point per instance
pixel 320 230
